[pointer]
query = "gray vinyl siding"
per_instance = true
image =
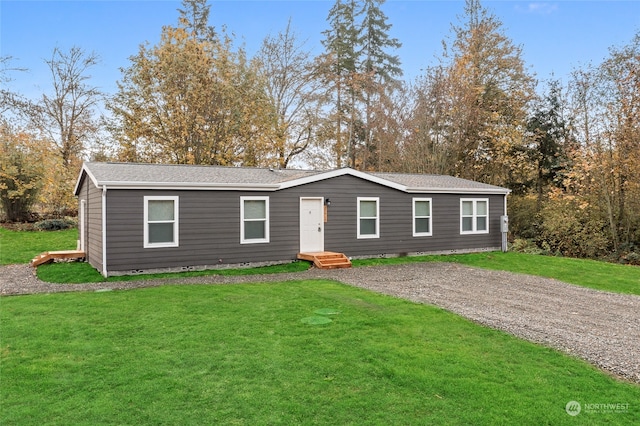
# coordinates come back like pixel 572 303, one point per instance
pixel 209 225
pixel 396 219
pixel 93 229
pixel 209 231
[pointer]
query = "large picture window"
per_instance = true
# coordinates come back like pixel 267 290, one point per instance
pixel 254 226
pixel 368 217
pixel 422 217
pixel 474 216
pixel 160 221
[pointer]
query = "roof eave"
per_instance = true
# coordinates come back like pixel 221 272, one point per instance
pixel 478 191
pixel 203 186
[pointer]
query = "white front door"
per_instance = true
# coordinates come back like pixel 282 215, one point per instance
pixel 311 225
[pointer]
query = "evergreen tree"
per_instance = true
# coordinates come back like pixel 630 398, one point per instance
pixel 362 70
pixel 195 18
pixel 340 62
pixel 376 43
pixel 550 139
pixel 380 70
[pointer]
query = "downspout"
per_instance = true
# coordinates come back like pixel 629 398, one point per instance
pixel 505 234
pixel 104 231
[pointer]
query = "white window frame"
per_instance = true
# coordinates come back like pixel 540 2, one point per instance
pixel 266 221
pixel 377 218
pixel 474 216
pixel 430 217
pixel 176 221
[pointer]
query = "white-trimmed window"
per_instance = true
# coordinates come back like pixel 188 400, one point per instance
pixel 422 217
pixel 160 221
pixel 474 216
pixel 254 223
pixel 368 217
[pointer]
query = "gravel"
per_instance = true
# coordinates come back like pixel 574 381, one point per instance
pixel 600 327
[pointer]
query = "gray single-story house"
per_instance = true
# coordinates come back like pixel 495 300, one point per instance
pixel 139 218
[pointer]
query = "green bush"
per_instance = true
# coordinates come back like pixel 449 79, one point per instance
pixel 55 224
pixel 528 246
pixel 524 218
pixel 571 228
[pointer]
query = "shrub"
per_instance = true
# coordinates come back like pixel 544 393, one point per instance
pixel 20 176
pixel 524 222
pixel 628 253
pixel 55 224
pixel 571 229
pixel 528 246
pixel 631 258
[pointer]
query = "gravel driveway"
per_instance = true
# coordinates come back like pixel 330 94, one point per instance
pixel 600 327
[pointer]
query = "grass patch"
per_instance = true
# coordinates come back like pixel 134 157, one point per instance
pixel 77 273
pixel 22 246
pixel 233 354
pixel 69 273
pixel 587 273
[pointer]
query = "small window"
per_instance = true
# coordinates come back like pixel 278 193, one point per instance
pixel 474 216
pixel 254 226
pixel 368 218
pixel 160 222
pixel 422 217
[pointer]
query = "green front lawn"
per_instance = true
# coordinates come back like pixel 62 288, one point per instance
pixel 22 246
pixel 255 354
pixel 78 273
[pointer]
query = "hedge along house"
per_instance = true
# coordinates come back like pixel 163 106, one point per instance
pixel 142 218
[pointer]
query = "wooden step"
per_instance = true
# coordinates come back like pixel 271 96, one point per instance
pixel 50 256
pixel 326 260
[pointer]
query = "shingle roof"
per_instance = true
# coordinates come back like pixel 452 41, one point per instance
pixel 419 181
pixel 189 174
pixel 134 175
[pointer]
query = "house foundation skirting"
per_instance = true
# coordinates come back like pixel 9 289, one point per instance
pixel 426 253
pixel 284 262
pixel 243 265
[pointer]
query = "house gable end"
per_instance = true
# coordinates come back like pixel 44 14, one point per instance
pixel 342 172
pixel 84 173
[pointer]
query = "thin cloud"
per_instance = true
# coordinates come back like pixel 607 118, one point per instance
pixel 539 8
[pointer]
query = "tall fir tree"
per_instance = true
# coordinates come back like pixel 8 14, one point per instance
pixel 376 43
pixel 363 70
pixel 550 139
pixel 380 69
pixel 340 64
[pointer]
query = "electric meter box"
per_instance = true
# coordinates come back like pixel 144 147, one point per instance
pixel 504 224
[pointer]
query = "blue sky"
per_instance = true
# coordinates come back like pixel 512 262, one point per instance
pixel 556 36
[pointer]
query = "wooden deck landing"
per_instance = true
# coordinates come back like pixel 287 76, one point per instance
pixel 50 256
pixel 326 259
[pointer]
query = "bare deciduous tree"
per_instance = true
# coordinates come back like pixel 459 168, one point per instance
pixel 68 115
pixel 294 91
